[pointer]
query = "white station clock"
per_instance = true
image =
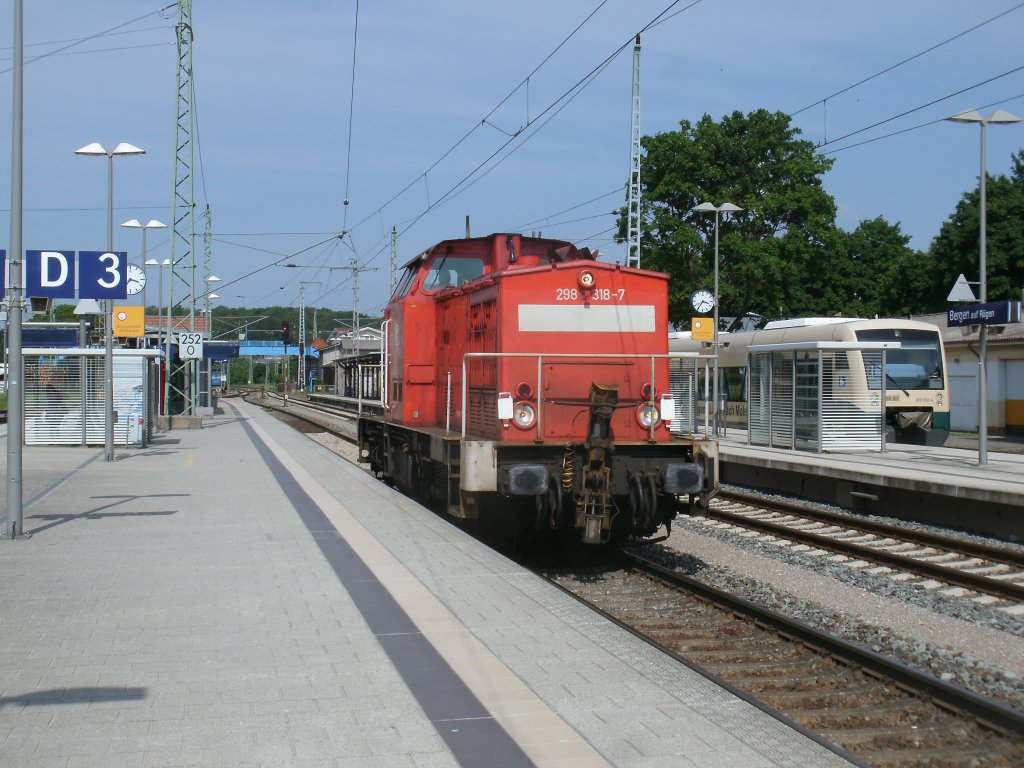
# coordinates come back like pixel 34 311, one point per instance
pixel 702 301
pixel 136 279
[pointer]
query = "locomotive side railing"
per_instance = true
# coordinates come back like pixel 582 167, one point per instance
pixel 541 358
pixel 385 365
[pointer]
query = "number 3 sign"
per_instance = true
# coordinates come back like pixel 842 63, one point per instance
pixel 102 275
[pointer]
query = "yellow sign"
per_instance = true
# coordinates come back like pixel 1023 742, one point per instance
pixel 702 329
pixel 129 321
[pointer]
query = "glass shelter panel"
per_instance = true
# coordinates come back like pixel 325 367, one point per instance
pixel 65 403
pixel 817 399
pixel 683 384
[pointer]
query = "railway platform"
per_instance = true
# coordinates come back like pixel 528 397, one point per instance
pixel 237 596
pixel 942 485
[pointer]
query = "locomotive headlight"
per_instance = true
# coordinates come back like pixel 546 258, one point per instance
pixel 647 415
pixel 586 280
pixel 524 391
pixel 524 416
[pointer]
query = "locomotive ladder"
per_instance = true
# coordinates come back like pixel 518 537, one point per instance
pixel 453 463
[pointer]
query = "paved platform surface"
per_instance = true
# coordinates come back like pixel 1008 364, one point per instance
pixel 236 596
pixel 952 470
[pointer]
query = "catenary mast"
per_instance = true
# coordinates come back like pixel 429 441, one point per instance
pixel 633 235
pixel 183 261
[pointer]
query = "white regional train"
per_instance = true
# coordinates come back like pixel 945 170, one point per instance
pixel 917 396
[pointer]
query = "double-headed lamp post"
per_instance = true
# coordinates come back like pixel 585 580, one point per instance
pixel 97 150
pixel 160 302
pixel 717 210
pixel 999 117
pixel 207 295
pixel 151 224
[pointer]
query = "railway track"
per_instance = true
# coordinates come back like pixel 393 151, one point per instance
pixel 876 709
pixel 956 567
pixel 307 417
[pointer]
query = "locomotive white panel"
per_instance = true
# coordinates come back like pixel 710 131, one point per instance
pixel 595 318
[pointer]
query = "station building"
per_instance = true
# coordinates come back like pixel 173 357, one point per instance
pixel 1004 373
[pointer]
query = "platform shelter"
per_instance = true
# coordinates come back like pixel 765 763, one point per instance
pixel 824 396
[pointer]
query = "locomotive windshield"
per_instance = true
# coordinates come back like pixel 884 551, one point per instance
pixel 446 270
pixel 917 364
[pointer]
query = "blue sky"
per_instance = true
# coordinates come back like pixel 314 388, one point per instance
pixel 273 88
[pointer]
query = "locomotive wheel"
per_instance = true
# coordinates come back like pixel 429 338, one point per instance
pixel 638 504
pixel 652 503
pixel 555 507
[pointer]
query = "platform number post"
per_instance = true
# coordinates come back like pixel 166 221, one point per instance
pixel 190 346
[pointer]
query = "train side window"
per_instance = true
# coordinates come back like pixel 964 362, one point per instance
pixel 736 384
pixel 405 283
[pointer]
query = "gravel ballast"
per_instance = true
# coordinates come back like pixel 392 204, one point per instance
pixel 977 647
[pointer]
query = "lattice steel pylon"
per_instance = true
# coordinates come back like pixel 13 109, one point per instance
pixel 633 233
pixel 356 270
pixel 183 262
pixel 394 258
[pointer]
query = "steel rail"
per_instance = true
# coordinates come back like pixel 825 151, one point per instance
pixel 986 710
pixel 977 582
pixel 989 552
pixel 293 411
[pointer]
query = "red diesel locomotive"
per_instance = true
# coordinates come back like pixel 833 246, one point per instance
pixel 526 385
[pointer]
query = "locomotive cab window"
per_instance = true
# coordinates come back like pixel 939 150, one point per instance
pixel 444 271
pixel 405 283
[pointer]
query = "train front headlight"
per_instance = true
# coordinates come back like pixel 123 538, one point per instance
pixel 647 415
pixel 524 415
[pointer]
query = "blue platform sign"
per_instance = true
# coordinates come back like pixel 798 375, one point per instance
pixel 102 274
pixel 3 284
pixel 989 313
pixel 50 274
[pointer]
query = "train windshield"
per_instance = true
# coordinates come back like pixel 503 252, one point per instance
pixel 444 271
pixel 917 364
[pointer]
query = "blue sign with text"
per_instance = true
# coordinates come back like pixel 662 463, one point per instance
pixel 989 313
pixel 103 274
pixel 50 274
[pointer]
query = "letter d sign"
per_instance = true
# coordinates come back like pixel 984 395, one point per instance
pixel 50 274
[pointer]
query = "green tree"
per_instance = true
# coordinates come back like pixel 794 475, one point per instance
pixel 65 313
pixel 782 255
pixel 888 278
pixel 955 250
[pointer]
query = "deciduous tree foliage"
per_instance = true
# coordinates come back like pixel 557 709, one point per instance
pixel 780 256
pixel 956 249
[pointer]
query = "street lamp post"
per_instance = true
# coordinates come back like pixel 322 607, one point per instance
pixel 160 302
pixel 151 224
pixel 207 296
pixel 723 208
pixel 97 150
pixel 999 117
